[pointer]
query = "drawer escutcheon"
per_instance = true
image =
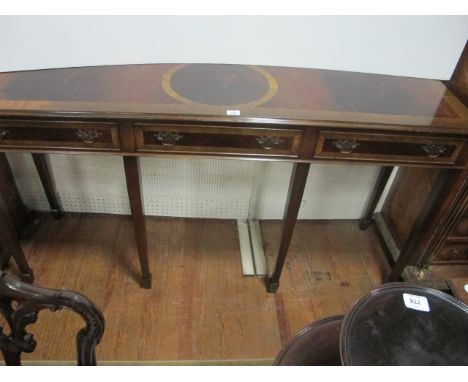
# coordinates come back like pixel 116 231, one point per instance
pixel 88 136
pixel 345 146
pixel 3 133
pixel 167 138
pixel 269 143
pixel 434 150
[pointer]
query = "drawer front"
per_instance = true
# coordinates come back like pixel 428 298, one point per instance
pixel 218 140
pixel 387 148
pixel 59 134
pixel 455 253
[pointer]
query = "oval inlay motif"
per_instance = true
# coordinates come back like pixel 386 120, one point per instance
pixel 230 86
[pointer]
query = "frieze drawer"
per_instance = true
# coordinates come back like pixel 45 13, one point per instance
pixel 218 140
pixel 387 148
pixel 99 136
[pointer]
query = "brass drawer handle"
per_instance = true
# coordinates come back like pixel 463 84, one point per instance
pixel 3 134
pixel 345 146
pixel 434 150
pixel 167 138
pixel 269 142
pixel 88 136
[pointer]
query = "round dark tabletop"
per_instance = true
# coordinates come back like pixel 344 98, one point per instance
pixel 404 324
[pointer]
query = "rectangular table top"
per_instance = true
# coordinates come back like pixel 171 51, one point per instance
pixel 234 93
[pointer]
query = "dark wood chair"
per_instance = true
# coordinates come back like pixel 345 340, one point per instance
pixel 20 304
pixel 318 344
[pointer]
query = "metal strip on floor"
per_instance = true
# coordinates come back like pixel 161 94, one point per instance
pixel 248 268
pixel 251 248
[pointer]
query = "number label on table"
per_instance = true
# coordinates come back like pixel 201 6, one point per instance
pixel 416 302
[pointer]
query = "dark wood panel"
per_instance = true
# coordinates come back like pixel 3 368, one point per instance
pixel 453 253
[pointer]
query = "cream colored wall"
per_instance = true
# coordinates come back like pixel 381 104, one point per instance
pixel 418 46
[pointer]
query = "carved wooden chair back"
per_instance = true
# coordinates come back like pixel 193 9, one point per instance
pixel 29 301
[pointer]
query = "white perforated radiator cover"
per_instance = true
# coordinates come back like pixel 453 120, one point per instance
pixel 191 187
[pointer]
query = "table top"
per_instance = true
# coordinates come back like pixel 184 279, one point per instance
pixel 405 324
pixel 232 92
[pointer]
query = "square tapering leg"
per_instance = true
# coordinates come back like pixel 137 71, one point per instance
pixel 296 190
pixel 132 175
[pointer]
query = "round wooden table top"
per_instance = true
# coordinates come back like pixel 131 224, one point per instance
pixel 404 324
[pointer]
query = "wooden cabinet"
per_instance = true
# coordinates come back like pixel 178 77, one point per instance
pixel 441 249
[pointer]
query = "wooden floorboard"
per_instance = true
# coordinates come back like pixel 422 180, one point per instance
pixel 200 306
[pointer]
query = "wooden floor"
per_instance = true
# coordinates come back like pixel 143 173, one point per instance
pixel 200 306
